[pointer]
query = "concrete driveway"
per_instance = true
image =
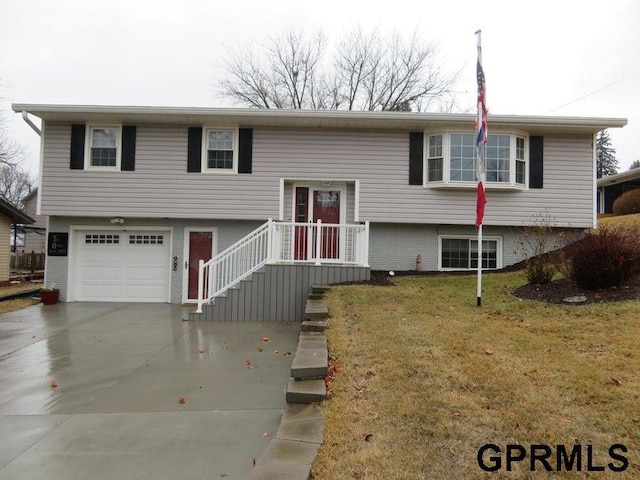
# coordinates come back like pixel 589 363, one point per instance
pixel 120 370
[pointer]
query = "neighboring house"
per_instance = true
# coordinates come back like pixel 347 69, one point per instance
pixel 611 187
pixel 8 215
pixel 136 196
pixel 34 234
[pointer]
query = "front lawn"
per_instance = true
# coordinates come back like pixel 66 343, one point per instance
pixel 425 378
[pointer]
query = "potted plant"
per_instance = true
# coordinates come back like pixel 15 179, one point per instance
pixel 50 295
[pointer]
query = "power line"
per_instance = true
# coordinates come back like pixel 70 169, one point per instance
pixel 592 93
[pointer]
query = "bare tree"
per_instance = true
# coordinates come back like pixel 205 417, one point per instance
pixel 10 152
pixel 15 185
pixel 285 76
pixel 365 72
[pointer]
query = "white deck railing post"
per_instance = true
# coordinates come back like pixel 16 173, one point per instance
pixel 200 285
pixel 318 243
pixel 365 249
pixel 270 234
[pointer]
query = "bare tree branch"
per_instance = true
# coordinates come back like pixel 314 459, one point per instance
pixel 366 72
pixel 15 184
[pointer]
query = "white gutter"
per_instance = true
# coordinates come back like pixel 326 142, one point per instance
pixel 25 117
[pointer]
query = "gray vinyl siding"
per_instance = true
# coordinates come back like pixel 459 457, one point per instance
pixel 396 246
pixel 276 293
pixel 161 187
pixel 33 241
pixel 228 232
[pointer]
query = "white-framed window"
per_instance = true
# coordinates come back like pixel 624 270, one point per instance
pixel 451 160
pixel 103 149
pixel 521 171
pixel 435 159
pixel 458 252
pixel 220 150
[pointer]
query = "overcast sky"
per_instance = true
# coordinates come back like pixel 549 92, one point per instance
pixel 570 58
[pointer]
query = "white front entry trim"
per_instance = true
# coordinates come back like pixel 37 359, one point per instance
pixel 185 257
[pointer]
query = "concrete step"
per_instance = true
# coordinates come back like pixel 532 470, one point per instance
pixel 319 325
pixel 312 340
pixel 315 296
pixel 319 288
pixel 309 364
pixel 316 309
pixel 312 357
pixel 306 391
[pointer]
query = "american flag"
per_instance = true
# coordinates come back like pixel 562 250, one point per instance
pixel 481 138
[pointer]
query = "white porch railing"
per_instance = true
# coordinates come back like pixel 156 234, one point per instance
pixel 289 242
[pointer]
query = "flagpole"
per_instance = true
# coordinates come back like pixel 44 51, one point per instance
pixel 479 281
pixel 481 140
pixel 479 288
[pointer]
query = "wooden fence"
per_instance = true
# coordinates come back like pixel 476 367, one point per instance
pixel 29 262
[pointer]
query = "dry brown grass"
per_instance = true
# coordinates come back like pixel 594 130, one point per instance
pixel 432 378
pixel 17 303
pixel 624 221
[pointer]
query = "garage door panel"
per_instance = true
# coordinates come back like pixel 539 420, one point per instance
pixel 122 266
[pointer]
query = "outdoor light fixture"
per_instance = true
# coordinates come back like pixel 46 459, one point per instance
pixel 117 220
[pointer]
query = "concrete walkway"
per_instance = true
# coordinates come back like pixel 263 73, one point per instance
pixel 120 370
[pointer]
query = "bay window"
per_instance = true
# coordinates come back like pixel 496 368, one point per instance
pixel 451 159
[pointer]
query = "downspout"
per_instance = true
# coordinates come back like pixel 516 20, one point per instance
pixel 25 117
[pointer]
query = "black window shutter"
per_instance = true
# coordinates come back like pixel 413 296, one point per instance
pixel 536 168
pixel 194 150
pixel 245 150
pixel 128 160
pixel 416 141
pixel 77 146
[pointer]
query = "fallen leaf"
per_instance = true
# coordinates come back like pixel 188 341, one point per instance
pixel 266 434
pixel 488 351
pixel 276 351
pixel 247 362
pixel 286 353
pixel 635 420
pixel 53 383
pixel 33 336
pixel 616 381
pixel 259 349
pixel 201 350
pixel 265 339
pixel 181 400
pixel 225 347
pixel 254 462
pixel 185 319
pixel 368 436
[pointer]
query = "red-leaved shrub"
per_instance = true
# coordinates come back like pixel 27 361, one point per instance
pixel 608 258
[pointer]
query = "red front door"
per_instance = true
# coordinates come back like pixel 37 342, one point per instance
pixel 326 208
pixel 200 248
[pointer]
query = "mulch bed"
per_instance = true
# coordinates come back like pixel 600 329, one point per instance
pixel 559 290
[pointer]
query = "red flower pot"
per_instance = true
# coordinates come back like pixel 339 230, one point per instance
pixel 50 297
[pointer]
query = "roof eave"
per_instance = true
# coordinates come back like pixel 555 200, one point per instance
pixel 308 118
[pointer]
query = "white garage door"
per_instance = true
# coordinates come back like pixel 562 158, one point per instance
pixel 122 266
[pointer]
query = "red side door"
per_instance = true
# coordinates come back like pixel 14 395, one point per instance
pixel 200 248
